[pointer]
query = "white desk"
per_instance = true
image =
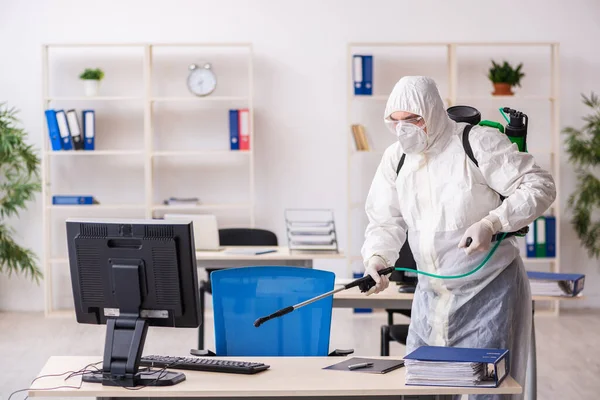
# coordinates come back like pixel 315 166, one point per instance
pixel 392 299
pixel 281 253
pixel 282 257
pixel 287 377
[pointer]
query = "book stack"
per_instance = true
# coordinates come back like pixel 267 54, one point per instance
pixel 455 366
pixel 553 284
pixel 311 230
pixel 360 138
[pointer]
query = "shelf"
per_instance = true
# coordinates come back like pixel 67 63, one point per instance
pixel 428 44
pixel 365 152
pixel 146 154
pixel 378 97
pixel 173 153
pixel 384 97
pixel 98 207
pixel 205 99
pixel 93 98
pixel 504 98
pixel 544 260
pixel 162 207
pixel 76 153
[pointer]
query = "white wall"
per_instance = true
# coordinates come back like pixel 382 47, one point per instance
pixel 300 82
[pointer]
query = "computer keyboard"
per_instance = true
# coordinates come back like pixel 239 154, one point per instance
pixel 203 364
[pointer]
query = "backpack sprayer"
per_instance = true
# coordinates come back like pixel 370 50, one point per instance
pixel 516 131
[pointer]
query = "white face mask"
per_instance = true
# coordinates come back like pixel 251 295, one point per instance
pixel 413 139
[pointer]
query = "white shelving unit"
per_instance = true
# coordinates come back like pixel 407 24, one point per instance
pixel 450 58
pixel 148 152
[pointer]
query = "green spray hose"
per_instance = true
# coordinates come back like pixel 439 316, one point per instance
pixel 487 258
pixel 368 280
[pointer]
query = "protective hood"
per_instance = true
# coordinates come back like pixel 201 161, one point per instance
pixel 419 95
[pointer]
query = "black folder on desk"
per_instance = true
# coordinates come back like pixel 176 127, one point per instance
pixel 380 366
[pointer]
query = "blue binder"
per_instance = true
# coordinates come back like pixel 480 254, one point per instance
pixel 63 128
pixel 234 137
pixel 550 236
pixel 53 130
pixel 89 129
pixel 498 358
pixel 73 200
pixel 362 73
pixel 571 284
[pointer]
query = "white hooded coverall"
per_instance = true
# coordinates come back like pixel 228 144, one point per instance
pixel 436 196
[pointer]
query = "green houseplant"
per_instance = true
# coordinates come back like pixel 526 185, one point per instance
pixel 504 77
pixel 583 147
pixel 19 181
pixel 91 80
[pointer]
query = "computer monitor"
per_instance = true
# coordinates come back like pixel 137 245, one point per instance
pixel 129 275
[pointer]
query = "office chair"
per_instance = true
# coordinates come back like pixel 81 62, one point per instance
pixel 407 282
pixel 241 295
pixel 247 237
pixel 234 237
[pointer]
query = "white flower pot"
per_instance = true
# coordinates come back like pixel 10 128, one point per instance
pixel 91 87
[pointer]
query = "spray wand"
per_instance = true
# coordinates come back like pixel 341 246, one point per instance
pixel 367 282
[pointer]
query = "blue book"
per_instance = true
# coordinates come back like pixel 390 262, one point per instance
pixel 550 236
pixel 89 129
pixel 480 367
pixel 555 284
pixel 53 130
pixel 362 74
pixel 234 138
pixel 73 200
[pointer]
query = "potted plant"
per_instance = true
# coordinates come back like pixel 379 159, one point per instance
pixel 19 166
pixel 583 147
pixel 91 80
pixel 504 77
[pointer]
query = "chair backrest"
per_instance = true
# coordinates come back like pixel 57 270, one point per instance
pixel 242 295
pixel 247 237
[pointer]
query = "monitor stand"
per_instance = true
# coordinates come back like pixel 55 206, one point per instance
pixel 125 338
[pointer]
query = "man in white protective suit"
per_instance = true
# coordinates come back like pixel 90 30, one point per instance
pixel 437 200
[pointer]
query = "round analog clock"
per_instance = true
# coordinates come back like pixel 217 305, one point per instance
pixel 201 81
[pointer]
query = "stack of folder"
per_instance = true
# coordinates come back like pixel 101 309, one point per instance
pixel 454 366
pixel 66 133
pixel 553 284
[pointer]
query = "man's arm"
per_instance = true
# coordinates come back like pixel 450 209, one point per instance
pixel 529 190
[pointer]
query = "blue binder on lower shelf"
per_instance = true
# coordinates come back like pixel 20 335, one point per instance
pixel 456 366
pixel 73 200
pixel 555 284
